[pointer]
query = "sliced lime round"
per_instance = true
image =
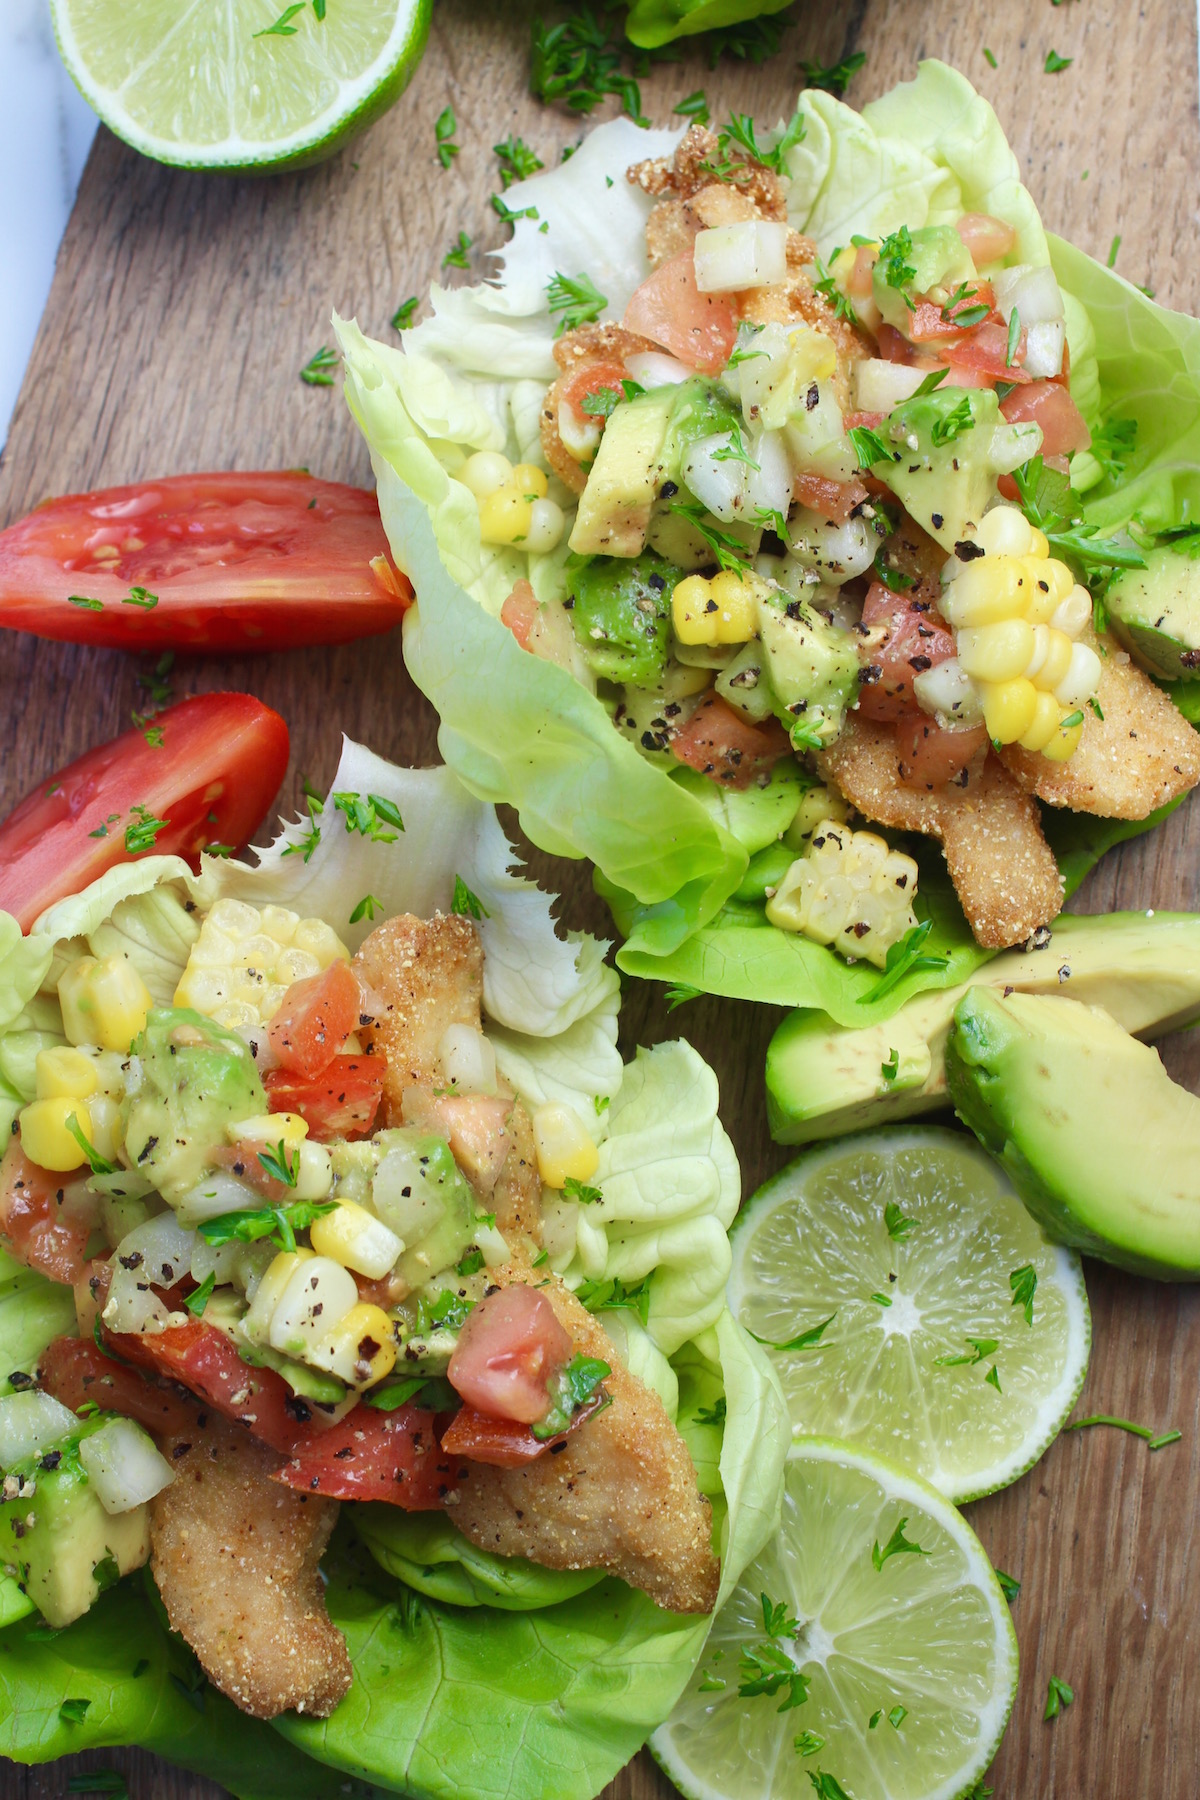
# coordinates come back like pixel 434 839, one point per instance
pixel 927 1317
pixel 247 85
pixel 867 1652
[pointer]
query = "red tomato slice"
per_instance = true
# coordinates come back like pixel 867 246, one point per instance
pixel 374 1455
pixel 509 1348
pixel 211 780
pixel 316 1017
pixel 76 1370
pixel 987 239
pixel 930 757
pixel 505 1443
pixel 204 1360
pixel 589 378
pixel 230 562
pixel 833 500
pixel 915 641
pixel 930 322
pixel 670 310
pixel 519 611
pixel 341 1102
pixel 986 351
pixel 37 1223
pixel 1048 404
pixel 723 745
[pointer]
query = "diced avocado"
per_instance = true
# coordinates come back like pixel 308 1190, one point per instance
pixel 950 447
pixel 226 1309
pixel 939 260
pixel 755 816
pixel 1155 612
pixel 66 1549
pixel 621 612
pixel 699 409
pixel 824 1078
pixel 615 506
pixel 649 717
pixel 420 1191
pixel 674 536
pixel 766 869
pixel 745 685
pixel 191 1078
pixel 1100 1143
pixel 813 669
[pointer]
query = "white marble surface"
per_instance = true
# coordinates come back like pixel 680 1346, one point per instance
pixel 46 130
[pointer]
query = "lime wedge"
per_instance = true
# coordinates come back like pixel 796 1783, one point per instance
pixel 906 1658
pixel 912 1244
pixel 247 85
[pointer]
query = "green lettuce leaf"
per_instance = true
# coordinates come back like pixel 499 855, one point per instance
pixel 654 22
pixel 424 1551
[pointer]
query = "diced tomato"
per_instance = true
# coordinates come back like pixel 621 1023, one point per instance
pixel 38 1224
pixel 589 378
pixel 510 1347
pixel 986 351
pixel 76 1370
pixel 375 1455
pixel 210 778
pixel 316 1017
pixel 987 239
pixel 1049 404
pixel 893 345
pixel 929 756
pixel 504 1443
pixel 929 321
pixel 204 1360
pixel 870 419
pixel 341 1102
pixel 860 281
pixel 916 640
pixel 833 500
pixel 723 745
pixel 229 562
pixel 670 310
pixel 519 611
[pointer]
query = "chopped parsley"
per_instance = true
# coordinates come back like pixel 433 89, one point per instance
pixel 1055 64
pixel 443 131
pixel 895 579
pixel 614 1296
pixel 457 257
pixel 403 316
pixel 807 1340
pixel 894 253
pixel 576 298
pixel 96 1163
pixel 367 908
pixel 869 447
pixel 835 78
pixel 278 1223
pixel 1112 252
pixel 766 1668
pixel 199 1298
pixel 578 1190
pixel 471 1263
pixel 831 293
pixel 317 371
pixel 897 1545
pixel 959 419
pixel 993 1377
pixel 1112 446
pixel 1023 1282
pixel 898 1226
pixel 1014 338
pixel 517 160
pixel 1048 503
pixel 890 1069
pixel 73 1712
pixel 982 1347
pixel 905 958
pixel 729 552
pixel 990 58
pixel 695 107
pixel 447 1313
pixel 142 830
pixel 283 26
pixel 1010 1587
pixel 307 842
pixel 808 1743
pixel 467 904
pixel 509 214
pixel 570 1390
pixel 576 64
pixel 1154 1440
pixel 371 815
pixel 86 602
pixel 1058 1697
pixel 602 402
pixel 714 1414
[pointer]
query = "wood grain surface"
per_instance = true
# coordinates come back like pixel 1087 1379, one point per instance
pixel 182 311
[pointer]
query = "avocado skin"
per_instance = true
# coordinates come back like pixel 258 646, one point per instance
pixel 987 1053
pixel 1155 613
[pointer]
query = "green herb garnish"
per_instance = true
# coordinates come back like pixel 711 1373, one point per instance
pixel 317 370
pixel 576 298
pixel 443 131
pixel 896 1545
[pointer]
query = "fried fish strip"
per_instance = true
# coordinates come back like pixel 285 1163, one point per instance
pixel 1000 863
pixel 691 169
pixel 235 1558
pixel 1140 755
pixel 417 976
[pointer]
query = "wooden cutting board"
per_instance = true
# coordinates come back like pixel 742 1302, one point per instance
pixel 182 310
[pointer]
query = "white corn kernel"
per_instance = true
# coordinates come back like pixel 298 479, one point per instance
pixel 546 524
pixel 1073 613
pixel 314 1176
pixel 485 472
pixel 244 961
pixel 1081 679
pixel 850 890
pixel 316 1297
pixel 269 1128
pixel 352 1236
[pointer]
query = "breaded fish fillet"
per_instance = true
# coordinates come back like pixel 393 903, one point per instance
pixel 1001 865
pixel 235 1558
pixel 417 977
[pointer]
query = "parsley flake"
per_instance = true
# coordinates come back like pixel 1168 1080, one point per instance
pixel 576 298
pixel 443 131
pixel 897 1545
pixel 835 78
pixel 283 26
pixel 1058 1697
pixel 1023 1282
pixel 467 904
pixel 317 370
pixel 808 1743
pixel 517 160
pixel 367 908
pixel 905 958
pixel 898 1226
pixel 1055 64
pixel 402 318
pixel 578 1190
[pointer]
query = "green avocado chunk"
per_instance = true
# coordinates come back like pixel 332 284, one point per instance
pixel 1155 612
pixel 951 444
pixel 938 258
pixel 191 1078
pixel 621 611
pixel 615 505
pixel 823 1078
pixel 1100 1143
pixel 813 670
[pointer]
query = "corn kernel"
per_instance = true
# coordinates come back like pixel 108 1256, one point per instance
pixel 1008 709
pixel 1041 601
pixel 998 652
pixel 720 610
pixel 849 890
pixel 360 1349
pixel 268 1128
pixel 1047 713
pixel 1081 679
pixel 45 1137
pixel 64 1071
pixel 244 961
pixel 1057 660
pixel 316 1298
pixel 1073 613
pixel 989 589
pixel 486 471
pixel 505 516
pixel 1038 546
pixel 1063 744
pixel 565 1151
pixel 104 1001
pixel 1004 531
pixel 357 1239
pixel 269 1291
pixel 530 480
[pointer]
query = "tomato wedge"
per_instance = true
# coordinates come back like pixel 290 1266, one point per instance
pixel 507 1351
pixel 374 1455
pixel 670 310
pixel 37 1221
pixel 726 747
pixel 204 1360
pixel 209 777
pixel 1049 404
pixel 76 1370
pixel 340 1102
pixel 504 1443
pixel 230 562
pixel 316 1017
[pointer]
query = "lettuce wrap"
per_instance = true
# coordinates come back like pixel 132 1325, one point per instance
pixel 670 857
pixel 472 1672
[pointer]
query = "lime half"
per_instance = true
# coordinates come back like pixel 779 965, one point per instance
pixel 240 84
pixel 958 1334
pixel 897 1667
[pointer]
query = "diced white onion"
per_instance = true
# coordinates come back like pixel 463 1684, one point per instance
pixel 880 385
pixel 580 434
pixel 163 1247
pixel 1081 679
pixel 560 1221
pixel 948 692
pixel 402 1196
pixel 30 1423
pixel 123 1466
pixel 1032 290
pixel 492 1243
pixel 654 368
pixel 718 484
pixel 1044 349
pixel 468 1060
pixel 316 1297
pixel 133 1306
pixel 836 553
pixel 752 253
pixel 769 487
pixel 216 1194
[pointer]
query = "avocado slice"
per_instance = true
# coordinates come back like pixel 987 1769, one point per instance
pixel 615 506
pixel 812 667
pixel 824 1078
pixel 1100 1143
pixel 938 258
pixel 189 1079
pixel 951 445
pixel 1155 613
pixel 621 612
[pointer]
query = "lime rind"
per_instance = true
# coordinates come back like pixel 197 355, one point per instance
pixel 163 59
pixel 932 1633
pixel 812 1243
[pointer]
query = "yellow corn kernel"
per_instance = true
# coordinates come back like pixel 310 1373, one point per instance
pixel 998 652
pixel 565 1151
pixel 690 615
pixel 357 1239
pixel 1004 531
pixel 720 610
pixel 64 1071
pixel 104 1001
pixel 1060 578
pixel 985 591
pixel 245 959
pixel 45 1137
pixel 1041 603
pixel 1057 660
pixel 1008 709
pixel 505 516
pixel 1038 545
pixel 1046 715
pixel 1063 744
pixel 268 1128
pixel 486 471
pixel 530 481
pixel 359 1349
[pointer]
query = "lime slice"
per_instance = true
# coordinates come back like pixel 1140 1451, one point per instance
pixel 213 86
pixel 922 1645
pixel 928 1357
